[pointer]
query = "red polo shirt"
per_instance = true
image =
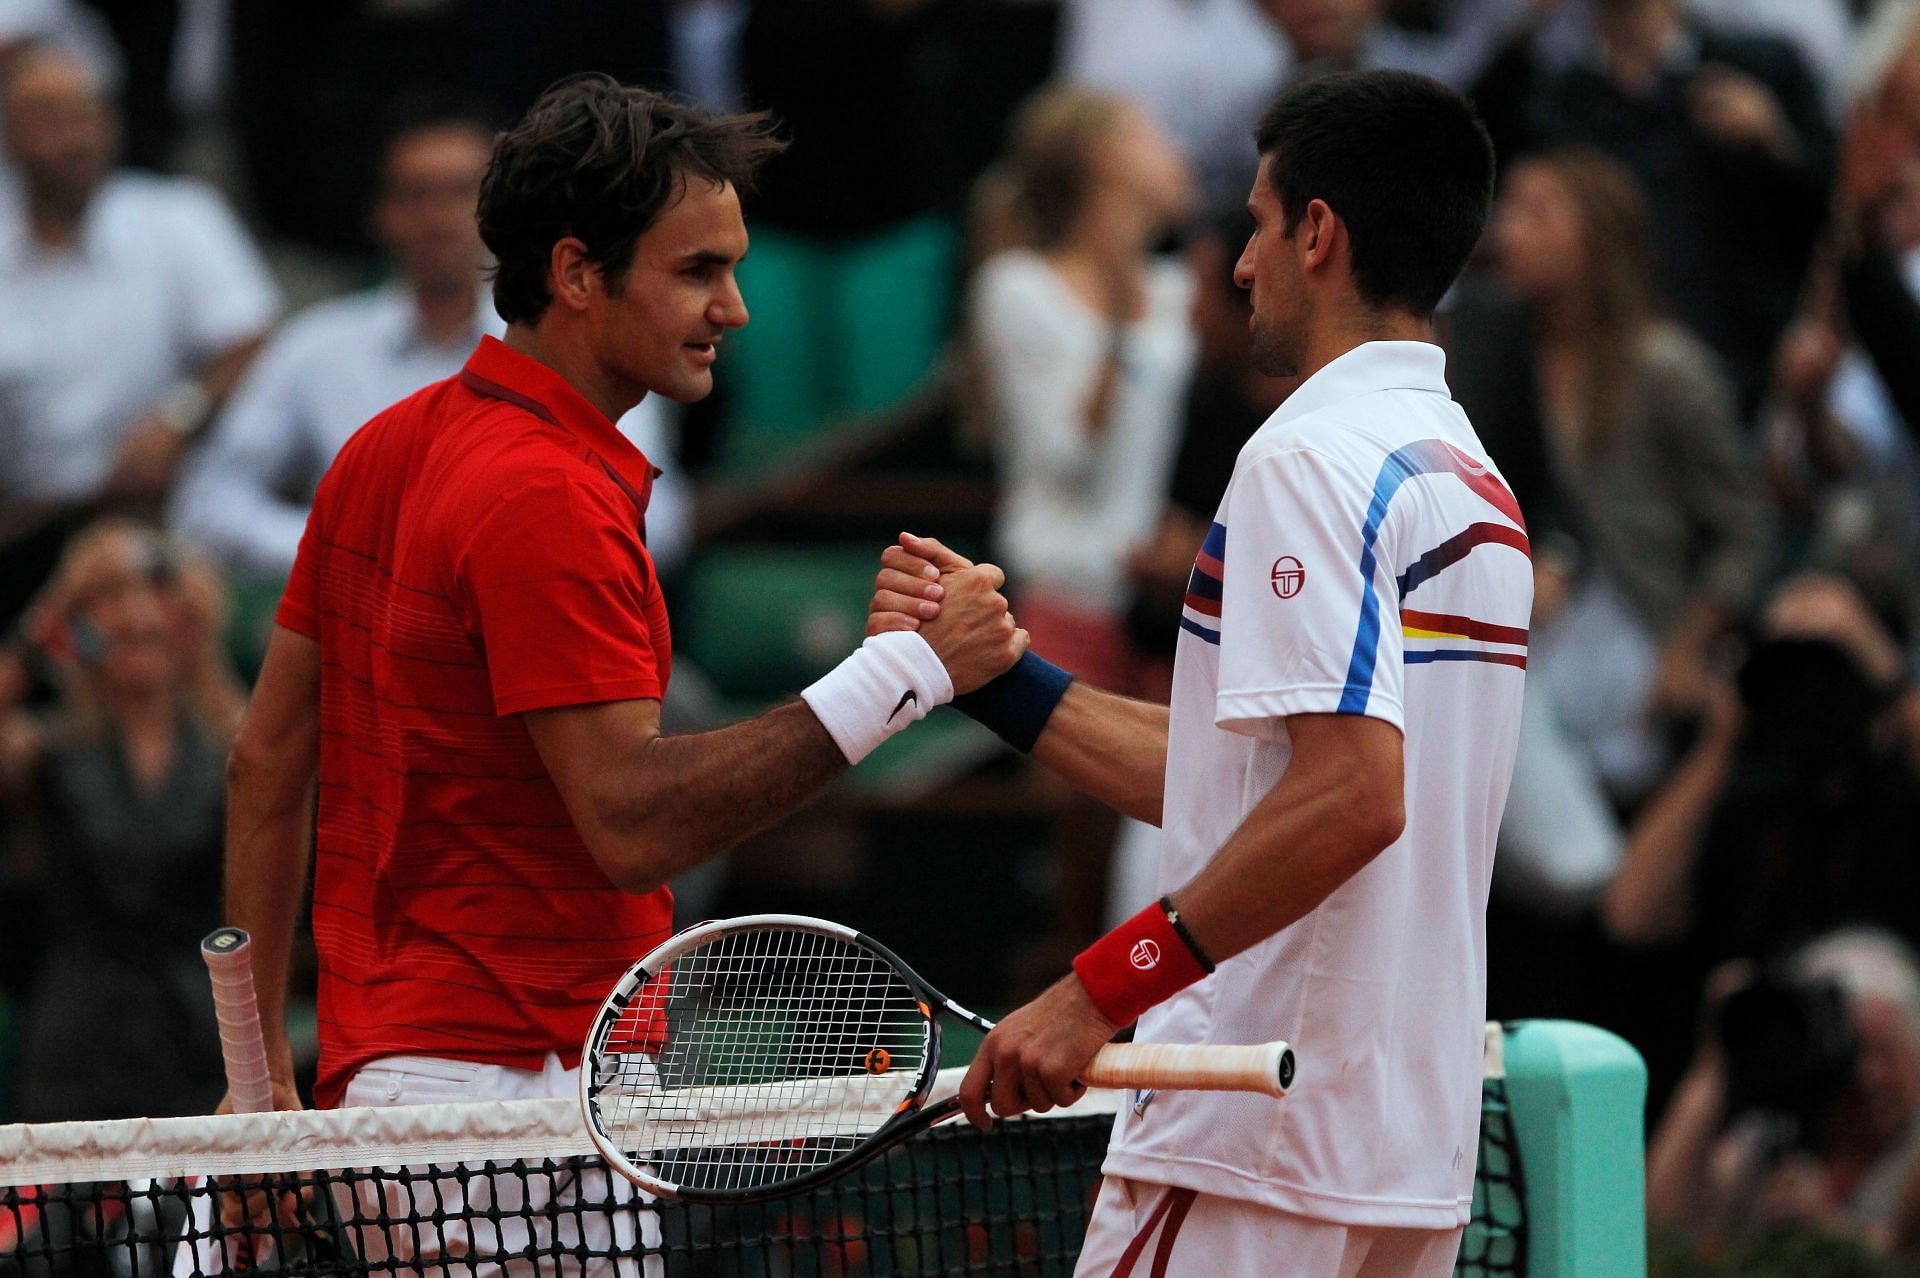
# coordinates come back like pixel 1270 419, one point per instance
pixel 475 551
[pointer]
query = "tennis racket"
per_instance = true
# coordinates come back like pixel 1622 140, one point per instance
pixel 752 1057
pixel 308 1231
pixel 243 1045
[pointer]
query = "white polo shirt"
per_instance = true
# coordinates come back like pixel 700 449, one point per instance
pixel 161 278
pixel 1367 559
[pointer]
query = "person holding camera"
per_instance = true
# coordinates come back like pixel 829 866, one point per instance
pixel 1802 1105
pixel 1792 813
pixel 118 788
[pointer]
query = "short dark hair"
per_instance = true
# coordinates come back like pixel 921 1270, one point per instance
pixel 1402 160
pixel 600 160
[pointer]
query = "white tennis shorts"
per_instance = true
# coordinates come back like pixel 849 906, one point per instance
pixel 1143 1230
pixel 537 1212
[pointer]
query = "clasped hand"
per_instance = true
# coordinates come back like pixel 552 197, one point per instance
pixel 953 603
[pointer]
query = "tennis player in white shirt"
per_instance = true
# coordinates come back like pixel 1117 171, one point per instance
pixel 1330 775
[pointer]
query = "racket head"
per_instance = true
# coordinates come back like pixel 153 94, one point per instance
pixel 747 1058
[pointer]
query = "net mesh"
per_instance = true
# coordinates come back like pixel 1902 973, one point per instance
pixel 768 1052
pixel 111 1201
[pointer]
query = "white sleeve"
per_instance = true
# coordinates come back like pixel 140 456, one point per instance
pixel 228 500
pixel 1310 617
pixel 1034 380
pixel 228 294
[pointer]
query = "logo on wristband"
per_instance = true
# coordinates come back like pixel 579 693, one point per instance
pixel 1145 955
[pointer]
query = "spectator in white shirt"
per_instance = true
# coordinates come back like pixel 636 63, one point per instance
pixel 246 493
pixel 1082 341
pixel 134 302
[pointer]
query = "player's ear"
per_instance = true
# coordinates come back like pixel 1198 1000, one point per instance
pixel 571 275
pixel 1322 228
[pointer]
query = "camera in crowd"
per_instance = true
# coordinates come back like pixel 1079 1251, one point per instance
pixel 1791 1054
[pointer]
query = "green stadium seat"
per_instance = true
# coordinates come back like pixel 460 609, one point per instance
pixel 839 329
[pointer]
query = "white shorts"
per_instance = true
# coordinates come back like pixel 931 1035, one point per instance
pixel 1143 1230
pixel 539 1213
pixel 537 1210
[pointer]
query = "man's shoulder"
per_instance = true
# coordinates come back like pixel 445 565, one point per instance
pixel 1328 437
pixel 488 453
pixel 345 317
pixel 338 325
pixel 143 195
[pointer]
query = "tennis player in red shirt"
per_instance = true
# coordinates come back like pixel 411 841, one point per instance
pixel 471 652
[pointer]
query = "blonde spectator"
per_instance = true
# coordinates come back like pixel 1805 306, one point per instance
pixel 121 791
pixel 1081 339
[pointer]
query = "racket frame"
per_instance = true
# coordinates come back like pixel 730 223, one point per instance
pixel 913 1116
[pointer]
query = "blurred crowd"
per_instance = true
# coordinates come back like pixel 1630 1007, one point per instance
pixel 992 299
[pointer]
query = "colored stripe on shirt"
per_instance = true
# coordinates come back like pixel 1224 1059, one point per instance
pixel 1205 585
pixel 1422 457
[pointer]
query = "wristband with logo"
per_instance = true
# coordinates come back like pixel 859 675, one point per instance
pixel 889 682
pixel 1142 962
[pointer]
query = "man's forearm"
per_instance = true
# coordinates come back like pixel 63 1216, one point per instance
pixel 1111 747
pixel 1648 901
pixel 270 786
pixel 1317 828
pixel 691 797
pixel 268 845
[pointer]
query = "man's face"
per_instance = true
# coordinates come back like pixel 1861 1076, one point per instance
pixel 659 328
pixel 1269 268
pixel 425 217
pixel 60 130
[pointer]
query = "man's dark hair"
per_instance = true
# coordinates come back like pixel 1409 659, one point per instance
pixel 601 161
pixel 1402 160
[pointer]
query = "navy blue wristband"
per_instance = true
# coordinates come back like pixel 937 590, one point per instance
pixel 1017 705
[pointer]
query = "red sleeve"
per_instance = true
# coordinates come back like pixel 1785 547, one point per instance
pixel 558 585
pixel 299 609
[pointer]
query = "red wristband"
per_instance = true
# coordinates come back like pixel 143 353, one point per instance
pixel 1138 964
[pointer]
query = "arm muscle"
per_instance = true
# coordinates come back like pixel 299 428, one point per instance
pixel 650 806
pixel 270 780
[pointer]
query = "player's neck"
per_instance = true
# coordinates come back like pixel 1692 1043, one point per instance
pixel 1329 341
pixel 54 218
pixel 574 360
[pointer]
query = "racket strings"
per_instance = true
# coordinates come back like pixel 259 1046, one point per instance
pixel 759 1056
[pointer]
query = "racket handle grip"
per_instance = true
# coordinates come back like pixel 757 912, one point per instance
pixel 1261 1067
pixel 243 1045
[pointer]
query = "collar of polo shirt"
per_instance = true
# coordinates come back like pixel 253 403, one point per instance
pixel 497 369
pixel 1371 366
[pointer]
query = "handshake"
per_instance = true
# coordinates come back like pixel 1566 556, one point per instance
pixel 952 603
pixel 938 628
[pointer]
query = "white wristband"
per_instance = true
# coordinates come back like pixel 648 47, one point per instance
pixel 889 682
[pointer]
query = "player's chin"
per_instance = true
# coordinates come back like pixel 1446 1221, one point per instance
pixel 688 384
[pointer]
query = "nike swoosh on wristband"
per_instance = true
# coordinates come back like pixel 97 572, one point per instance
pixel 907 698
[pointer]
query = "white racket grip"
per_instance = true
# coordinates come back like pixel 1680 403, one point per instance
pixel 243 1045
pixel 1259 1067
